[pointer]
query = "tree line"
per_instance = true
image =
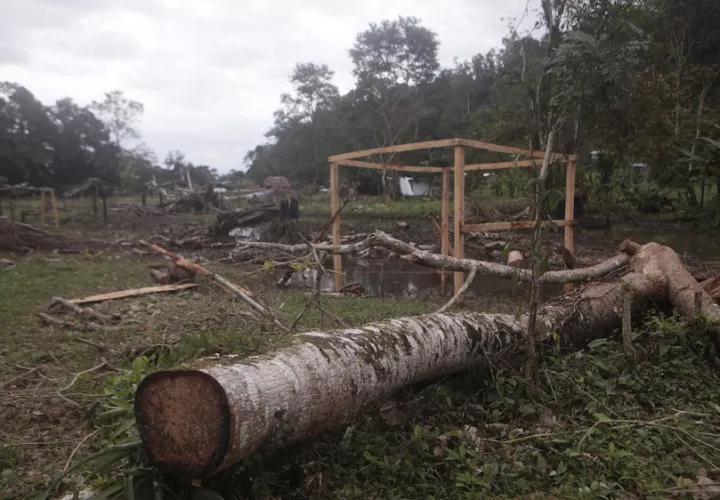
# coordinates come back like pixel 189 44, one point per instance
pixel 621 82
pixel 63 144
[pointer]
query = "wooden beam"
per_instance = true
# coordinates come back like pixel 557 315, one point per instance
pixel 42 208
pixel 509 164
pixel 443 143
pixel 335 209
pixel 54 207
pixel 513 150
pixel 459 195
pixel 387 166
pixel 570 212
pixel 507 225
pixel 445 220
pixel 501 164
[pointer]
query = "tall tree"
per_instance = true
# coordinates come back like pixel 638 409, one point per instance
pixel 120 115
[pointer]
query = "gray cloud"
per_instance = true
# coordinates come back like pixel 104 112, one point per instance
pixel 210 73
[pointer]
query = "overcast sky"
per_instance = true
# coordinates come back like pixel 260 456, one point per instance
pixel 210 72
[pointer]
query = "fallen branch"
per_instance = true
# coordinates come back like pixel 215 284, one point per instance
pixel 84 312
pixel 412 254
pixel 329 222
pixel 459 293
pixel 83 327
pixel 302 248
pixel 238 291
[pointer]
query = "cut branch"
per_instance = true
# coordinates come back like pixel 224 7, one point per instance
pixel 239 292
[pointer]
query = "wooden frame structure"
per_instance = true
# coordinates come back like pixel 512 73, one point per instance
pixel 459 169
pixel 43 191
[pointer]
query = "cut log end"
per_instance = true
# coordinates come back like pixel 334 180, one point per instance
pixel 184 421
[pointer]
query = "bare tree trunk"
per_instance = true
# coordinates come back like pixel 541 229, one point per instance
pixel 199 421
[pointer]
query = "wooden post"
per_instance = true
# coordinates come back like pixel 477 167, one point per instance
pixel 459 194
pixel 569 212
pixel 42 208
pixel 104 200
pixel 12 210
pixel 445 223
pixel 54 207
pixel 334 207
pixel 94 200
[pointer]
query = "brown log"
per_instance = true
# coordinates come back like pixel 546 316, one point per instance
pixel 325 378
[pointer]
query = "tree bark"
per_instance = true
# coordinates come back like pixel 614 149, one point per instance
pixel 200 421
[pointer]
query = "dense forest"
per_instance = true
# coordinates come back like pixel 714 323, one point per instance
pixel 622 82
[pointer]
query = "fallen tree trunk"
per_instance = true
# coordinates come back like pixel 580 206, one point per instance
pixel 325 378
pixel 688 296
pixel 411 253
pixel 429 259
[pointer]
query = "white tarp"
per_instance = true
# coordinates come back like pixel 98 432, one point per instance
pixel 410 187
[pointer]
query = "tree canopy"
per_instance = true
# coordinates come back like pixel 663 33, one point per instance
pixel 632 80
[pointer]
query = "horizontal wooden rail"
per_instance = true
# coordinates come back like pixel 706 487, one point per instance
pixel 395 149
pixel 506 225
pixel 443 143
pixel 512 150
pixel 386 166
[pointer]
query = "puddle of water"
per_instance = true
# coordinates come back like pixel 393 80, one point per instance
pixel 382 278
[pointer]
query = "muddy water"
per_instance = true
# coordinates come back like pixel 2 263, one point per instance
pixel 382 278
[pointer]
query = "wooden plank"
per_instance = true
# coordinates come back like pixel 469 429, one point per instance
pixel 387 166
pixel 134 292
pixel 508 164
pixel 42 208
pixel 570 212
pixel 506 225
pixel 54 207
pixel 335 208
pixel 459 195
pixel 414 146
pixel 513 150
pixel 501 164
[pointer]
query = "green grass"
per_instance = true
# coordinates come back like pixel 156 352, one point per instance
pixel 40 429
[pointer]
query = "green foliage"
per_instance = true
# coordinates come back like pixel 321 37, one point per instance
pixel 649 197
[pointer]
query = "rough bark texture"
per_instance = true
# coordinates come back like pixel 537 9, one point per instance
pixel 200 421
